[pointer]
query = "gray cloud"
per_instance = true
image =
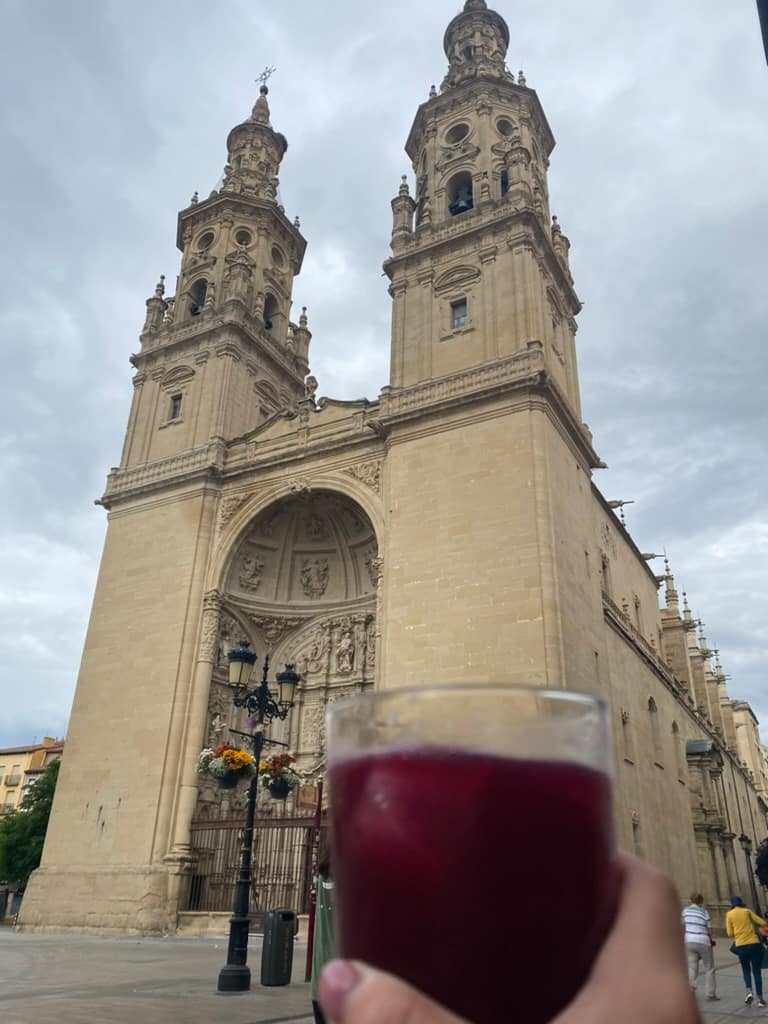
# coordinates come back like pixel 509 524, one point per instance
pixel 117 113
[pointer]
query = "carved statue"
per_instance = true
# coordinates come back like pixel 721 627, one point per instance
pixel 218 725
pixel 251 571
pixel 314 576
pixel 345 652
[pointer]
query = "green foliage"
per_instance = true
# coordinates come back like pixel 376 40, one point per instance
pixel 761 862
pixel 22 832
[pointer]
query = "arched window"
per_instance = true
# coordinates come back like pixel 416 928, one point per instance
pixel 270 311
pixel 199 290
pixel 504 182
pixel 460 198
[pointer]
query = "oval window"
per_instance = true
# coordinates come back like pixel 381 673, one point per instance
pixel 456 134
pixel 205 241
pixel 504 126
pixel 243 237
pixel 278 259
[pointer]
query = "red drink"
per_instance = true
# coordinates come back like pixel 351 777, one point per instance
pixel 486 882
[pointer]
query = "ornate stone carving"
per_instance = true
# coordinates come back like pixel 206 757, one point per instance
pixel 368 473
pixel 299 485
pixel 274 626
pixel 370 644
pixel 312 730
pixel 219 703
pixel 371 564
pixel 315 527
pixel 228 506
pixel 219 725
pixel 230 635
pixel 251 572
pixel 314 576
pixel 315 656
pixel 266 525
pixel 210 628
pixel 345 652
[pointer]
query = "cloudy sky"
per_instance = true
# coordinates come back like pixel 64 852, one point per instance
pixel 114 113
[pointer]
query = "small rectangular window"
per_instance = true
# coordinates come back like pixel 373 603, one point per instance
pixel 459 314
pixel 175 407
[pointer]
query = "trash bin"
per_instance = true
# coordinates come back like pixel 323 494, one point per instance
pixel 280 928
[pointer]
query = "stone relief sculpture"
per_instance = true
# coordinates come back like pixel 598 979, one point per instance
pixel 314 576
pixel 368 473
pixel 218 726
pixel 251 571
pixel 315 528
pixel 210 627
pixel 345 652
pixel 372 565
pixel 228 506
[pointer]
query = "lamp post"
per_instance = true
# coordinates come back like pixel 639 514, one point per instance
pixel 746 845
pixel 235 976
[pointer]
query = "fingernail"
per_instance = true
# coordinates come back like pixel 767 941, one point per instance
pixel 339 979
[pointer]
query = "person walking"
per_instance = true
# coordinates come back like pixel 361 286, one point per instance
pixel 698 945
pixel 740 924
pixel 323 946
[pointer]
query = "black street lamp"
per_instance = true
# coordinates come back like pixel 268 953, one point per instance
pixel 235 976
pixel 746 845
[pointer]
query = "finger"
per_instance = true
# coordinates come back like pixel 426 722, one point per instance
pixel 640 974
pixel 647 923
pixel 351 992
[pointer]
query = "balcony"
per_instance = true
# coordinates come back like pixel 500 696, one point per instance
pixel 12 780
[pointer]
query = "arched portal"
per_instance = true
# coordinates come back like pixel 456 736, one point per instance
pixel 301 587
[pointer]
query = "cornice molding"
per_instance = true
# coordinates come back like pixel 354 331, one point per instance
pixel 207 461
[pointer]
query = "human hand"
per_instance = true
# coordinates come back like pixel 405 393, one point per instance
pixel 639 976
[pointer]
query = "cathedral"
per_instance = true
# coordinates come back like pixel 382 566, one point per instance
pixel 451 529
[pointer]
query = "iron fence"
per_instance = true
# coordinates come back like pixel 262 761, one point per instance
pixel 281 871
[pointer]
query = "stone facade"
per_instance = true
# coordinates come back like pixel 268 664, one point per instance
pixel 451 529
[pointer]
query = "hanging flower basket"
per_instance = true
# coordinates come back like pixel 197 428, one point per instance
pixel 278 776
pixel 227 765
pixel 230 780
pixel 279 789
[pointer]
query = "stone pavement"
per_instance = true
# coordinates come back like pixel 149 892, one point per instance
pixel 730 988
pixel 88 979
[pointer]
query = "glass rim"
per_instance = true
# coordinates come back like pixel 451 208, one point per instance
pixel 576 697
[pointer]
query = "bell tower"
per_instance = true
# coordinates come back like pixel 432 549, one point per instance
pixel 222 354
pixel 479 268
pixel 488 462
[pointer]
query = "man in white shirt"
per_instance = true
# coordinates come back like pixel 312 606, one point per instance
pixel 698 944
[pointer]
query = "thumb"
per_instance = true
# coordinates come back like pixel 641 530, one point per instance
pixel 353 993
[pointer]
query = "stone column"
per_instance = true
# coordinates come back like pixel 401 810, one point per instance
pixel 488 285
pixel 179 858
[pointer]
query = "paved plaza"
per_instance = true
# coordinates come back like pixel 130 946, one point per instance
pixel 86 979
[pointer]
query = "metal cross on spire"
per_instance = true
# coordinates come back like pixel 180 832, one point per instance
pixel 266 74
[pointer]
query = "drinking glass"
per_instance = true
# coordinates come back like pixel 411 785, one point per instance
pixel 472 846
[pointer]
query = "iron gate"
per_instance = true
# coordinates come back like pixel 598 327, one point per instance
pixel 281 867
